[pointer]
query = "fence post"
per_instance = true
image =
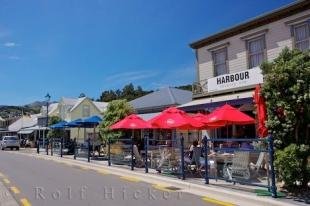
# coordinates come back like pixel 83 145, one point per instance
pixel 88 156
pixel 52 145
pixel 38 146
pixel 273 187
pixel 132 166
pixel 61 145
pixel 206 160
pixel 109 151
pixel 146 144
pixel 74 148
pixel 46 147
pixel 182 158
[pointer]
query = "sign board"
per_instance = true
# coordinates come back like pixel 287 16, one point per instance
pixel 235 80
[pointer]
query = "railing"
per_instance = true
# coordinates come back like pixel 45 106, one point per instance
pixel 243 161
pixel 200 88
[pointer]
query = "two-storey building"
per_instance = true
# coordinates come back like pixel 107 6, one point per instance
pixel 228 62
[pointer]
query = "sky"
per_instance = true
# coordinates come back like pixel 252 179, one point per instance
pixel 65 48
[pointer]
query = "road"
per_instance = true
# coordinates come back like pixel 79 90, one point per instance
pixel 41 182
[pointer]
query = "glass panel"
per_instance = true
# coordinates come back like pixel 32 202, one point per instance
pixel 220 69
pixel 256 51
pixel 303 46
pixel 256 45
pixel 220 58
pixel 256 60
pixel 301 32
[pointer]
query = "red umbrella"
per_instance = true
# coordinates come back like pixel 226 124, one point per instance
pixel 173 118
pixel 131 122
pixel 203 118
pixel 261 112
pixel 226 115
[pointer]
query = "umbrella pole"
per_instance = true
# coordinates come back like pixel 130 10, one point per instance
pixel 94 140
pixel 132 133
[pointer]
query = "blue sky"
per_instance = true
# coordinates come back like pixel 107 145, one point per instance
pixel 73 46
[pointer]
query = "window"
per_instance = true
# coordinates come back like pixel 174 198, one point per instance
pixel 220 61
pixel 86 111
pixel 256 51
pixel 301 36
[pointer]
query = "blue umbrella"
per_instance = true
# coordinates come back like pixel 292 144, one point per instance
pixel 59 125
pixel 74 123
pixel 90 121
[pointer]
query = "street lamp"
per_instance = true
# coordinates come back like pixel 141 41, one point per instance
pixel 47 97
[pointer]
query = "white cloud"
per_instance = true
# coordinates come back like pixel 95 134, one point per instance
pixel 129 76
pixel 10 44
pixel 14 57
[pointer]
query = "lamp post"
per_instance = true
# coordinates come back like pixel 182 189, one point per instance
pixel 47 97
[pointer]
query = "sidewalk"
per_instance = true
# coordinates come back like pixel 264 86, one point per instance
pixel 237 197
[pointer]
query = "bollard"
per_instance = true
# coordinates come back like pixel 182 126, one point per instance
pixel 273 187
pixel 74 148
pixel 132 166
pixel 109 152
pixel 182 158
pixel 61 145
pixel 88 156
pixel 52 145
pixel 146 144
pixel 206 161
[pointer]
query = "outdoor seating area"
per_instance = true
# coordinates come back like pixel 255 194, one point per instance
pixel 159 145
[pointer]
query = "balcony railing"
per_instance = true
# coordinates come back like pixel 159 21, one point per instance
pixel 200 88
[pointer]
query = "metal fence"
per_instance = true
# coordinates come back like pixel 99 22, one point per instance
pixel 242 161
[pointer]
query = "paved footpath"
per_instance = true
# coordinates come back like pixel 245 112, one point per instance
pixel 47 180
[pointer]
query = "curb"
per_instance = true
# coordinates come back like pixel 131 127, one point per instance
pixel 237 198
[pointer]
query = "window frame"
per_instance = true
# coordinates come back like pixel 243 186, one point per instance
pixel 264 52
pixel 214 63
pixel 84 110
pixel 293 32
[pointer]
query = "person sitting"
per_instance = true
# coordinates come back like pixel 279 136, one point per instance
pixel 191 148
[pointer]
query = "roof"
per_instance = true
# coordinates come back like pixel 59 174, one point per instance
pixel 77 103
pixel 69 101
pixel 210 103
pixel 24 122
pixel 101 105
pixel 162 98
pixel 277 14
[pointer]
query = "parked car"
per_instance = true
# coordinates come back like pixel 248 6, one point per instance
pixel 10 142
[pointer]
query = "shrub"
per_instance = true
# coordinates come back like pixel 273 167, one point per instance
pixel 292 165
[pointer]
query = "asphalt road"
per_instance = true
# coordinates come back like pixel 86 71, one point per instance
pixel 48 183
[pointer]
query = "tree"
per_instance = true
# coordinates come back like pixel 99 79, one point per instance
pixel 287 91
pixel 187 87
pixel 116 110
pixel 82 95
pixel 54 132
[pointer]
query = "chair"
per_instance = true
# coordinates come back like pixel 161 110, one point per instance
pixel 255 167
pixel 240 166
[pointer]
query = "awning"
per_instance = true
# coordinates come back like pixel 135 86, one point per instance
pixel 210 103
pixel 148 116
pixel 25 132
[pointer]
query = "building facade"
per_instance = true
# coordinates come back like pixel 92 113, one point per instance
pixel 228 62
